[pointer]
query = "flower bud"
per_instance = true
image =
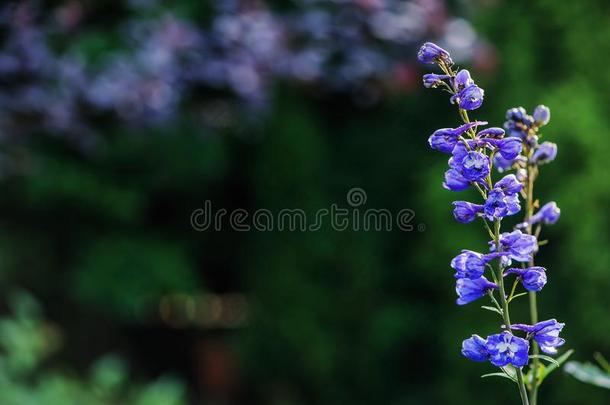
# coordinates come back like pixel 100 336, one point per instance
pixel 454 181
pixel 466 212
pixel 532 278
pixel 544 153
pixel 470 290
pixel 542 115
pixel 432 53
pixel 469 264
pixel 474 348
pixel 548 214
pixel 432 80
pixel 462 80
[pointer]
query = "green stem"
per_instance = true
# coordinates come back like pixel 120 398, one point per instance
pixel 505 312
pixel 531 174
pixel 522 390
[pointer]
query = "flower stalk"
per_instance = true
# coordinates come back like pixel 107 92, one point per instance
pixel 475 153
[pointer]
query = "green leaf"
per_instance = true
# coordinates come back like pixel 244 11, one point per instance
pixel 553 366
pixel 543 357
pixel 498 375
pixel 588 373
pixel 493 309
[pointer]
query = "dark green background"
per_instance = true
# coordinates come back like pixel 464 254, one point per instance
pixel 336 317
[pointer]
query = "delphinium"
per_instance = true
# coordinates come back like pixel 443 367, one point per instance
pixel 509 263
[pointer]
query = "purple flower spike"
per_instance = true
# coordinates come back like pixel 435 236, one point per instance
pixel 516 146
pixel 545 333
pixel 475 348
pixel 470 290
pixel 532 278
pixel 471 97
pixel 505 348
pixel 466 212
pixel 432 53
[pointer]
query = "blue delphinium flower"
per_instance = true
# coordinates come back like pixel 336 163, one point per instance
pixel 432 53
pixel 445 139
pixel 544 153
pixel 466 212
pixel 545 333
pixel 533 278
pixel 470 290
pixel 454 181
pixel 470 98
pixel 475 348
pixel 474 166
pixel 509 184
pixel 505 348
pixel 517 245
pixel 471 164
pixel 499 205
pixel 432 80
pixel 509 148
pixel 469 264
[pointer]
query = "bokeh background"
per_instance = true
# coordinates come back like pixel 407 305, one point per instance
pixel 119 118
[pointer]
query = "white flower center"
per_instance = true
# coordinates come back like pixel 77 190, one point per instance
pixel 507 346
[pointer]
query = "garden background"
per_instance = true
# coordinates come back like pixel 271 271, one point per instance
pixel 119 119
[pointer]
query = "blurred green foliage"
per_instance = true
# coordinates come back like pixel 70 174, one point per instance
pixel 597 375
pixel 27 341
pixel 337 317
